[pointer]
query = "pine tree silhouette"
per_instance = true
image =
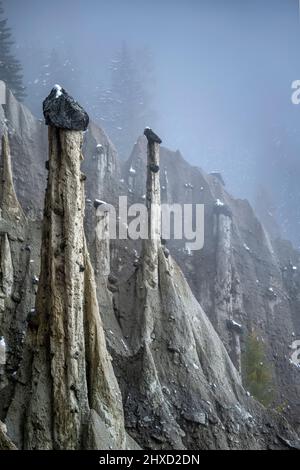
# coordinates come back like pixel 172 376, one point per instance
pixel 125 107
pixel 10 67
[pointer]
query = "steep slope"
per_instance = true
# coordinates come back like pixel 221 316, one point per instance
pixel 180 388
pixel 5 442
pixel 18 274
pixel 240 275
pixel 28 142
pixel 70 398
pixel 159 375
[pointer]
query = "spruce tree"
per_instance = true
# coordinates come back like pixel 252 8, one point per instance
pixel 54 67
pixel 256 371
pixel 10 67
pixel 125 106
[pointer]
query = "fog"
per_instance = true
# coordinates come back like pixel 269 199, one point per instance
pixel 220 81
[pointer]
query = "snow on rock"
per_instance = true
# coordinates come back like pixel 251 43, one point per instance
pixel 293 363
pixel 188 251
pixel 98 203
pixel 64 113
pixel 2 351
pixel 58 89
pixel 219 203
pixel 234 326
pixel 271 293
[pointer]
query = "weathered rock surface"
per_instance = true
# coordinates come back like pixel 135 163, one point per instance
pixel 16 271
pixel 63 112
pixel 232 274
pixel 179 387
pixel 29 145
pixel 5 442
pixel 187 392
pixel 72 378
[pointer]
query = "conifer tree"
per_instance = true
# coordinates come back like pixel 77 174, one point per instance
pixel 125 106
pixel 54 67
pixel 10 67
pixel 256 371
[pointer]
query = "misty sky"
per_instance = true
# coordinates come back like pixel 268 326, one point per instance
pixel 223 71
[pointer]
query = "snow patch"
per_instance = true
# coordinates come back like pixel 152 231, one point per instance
pixel 219 203
pixel 58 89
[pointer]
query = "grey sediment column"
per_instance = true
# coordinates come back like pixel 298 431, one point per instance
pixel 74 390
pixel 152 244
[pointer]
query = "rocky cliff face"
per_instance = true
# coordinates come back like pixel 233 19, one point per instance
pixel 241 276
pixel 70 398
pixel 18 274
pixel 29 143
pixel 180 388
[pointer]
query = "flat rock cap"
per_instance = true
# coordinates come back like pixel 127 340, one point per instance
pixel 151 136
pixel 62 111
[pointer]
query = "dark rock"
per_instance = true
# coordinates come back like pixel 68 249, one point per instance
pixel 154 168
pixel 151 136
pixel 112 288
pixel 174 349
pixel 234 326
pixel 62 111
pixel 16 297
pixel 223 209
pixel 112 279
pixel 196 417
pixel 218 176
pixel 32 319
pixel 98 203
pixel 290 444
